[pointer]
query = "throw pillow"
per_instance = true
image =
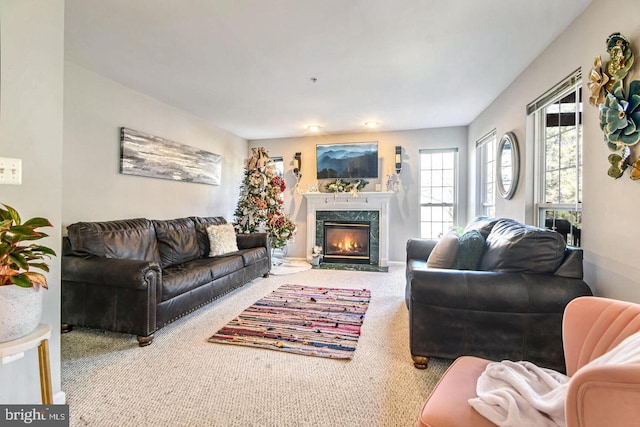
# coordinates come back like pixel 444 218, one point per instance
pixel 470 250
pixel 444 253
pixel 222 239
pixel 201 231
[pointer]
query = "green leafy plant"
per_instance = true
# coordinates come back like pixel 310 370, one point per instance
pixel 16 258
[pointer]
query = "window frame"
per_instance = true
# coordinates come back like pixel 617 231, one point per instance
pixel 485 145
pixel 278 162
pixel 456 180
pixel 535 111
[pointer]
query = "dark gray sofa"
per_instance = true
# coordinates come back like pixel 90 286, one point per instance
pixel 137 275
pixel 509 307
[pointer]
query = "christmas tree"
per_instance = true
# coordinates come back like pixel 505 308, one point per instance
pixel 260 204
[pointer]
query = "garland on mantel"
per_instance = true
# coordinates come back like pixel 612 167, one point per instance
pixel 340 186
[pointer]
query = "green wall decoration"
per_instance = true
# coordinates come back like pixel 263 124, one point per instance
pixel 619 113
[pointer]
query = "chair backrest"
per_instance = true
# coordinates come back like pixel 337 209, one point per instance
pixel 592 326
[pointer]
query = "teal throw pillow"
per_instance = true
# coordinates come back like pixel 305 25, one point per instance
pixel 471 245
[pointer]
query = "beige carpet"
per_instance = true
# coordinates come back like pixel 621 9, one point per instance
pixel 182 380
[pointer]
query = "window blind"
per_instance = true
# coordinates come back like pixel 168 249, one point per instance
pixel 567 83
pixel 486 138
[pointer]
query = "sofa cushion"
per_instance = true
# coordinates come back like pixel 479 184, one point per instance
pixel 444 253
pixel 225 264
pixel 482 224
pixel 515 247
pixel 181 278
pixel 222 239
pixel 201 231
pixel 128 239
pixel 190 275
pixel 177 241
pixel 253 255
pixel 470 250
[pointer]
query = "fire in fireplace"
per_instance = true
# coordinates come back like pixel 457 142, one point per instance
pixel 346 241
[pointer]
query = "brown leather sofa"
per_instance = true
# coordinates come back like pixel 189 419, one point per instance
pixel 509 307
pixel 137 275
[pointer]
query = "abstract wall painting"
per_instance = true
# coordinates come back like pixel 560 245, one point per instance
pixel 151 156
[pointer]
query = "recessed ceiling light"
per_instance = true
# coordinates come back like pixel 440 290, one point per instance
pixel 313 128
pixel 371 124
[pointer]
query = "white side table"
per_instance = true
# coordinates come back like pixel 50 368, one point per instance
pixel 39 337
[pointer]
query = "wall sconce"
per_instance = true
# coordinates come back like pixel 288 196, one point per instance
pixel 398 159
pixel 297 165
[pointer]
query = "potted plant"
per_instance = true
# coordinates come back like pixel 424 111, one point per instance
pixel 20 296
pixel 316 255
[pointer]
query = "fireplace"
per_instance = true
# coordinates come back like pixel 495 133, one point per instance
pixel 372 207
pixel 346 241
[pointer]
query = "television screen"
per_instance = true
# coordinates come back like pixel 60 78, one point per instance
pixel 349 160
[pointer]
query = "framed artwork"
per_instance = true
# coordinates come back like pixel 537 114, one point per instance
pixel 347 160
pixel 147 155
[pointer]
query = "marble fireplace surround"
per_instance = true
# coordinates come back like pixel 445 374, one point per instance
pixel 346 205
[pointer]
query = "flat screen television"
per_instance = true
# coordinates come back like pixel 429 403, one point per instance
pixel 347 160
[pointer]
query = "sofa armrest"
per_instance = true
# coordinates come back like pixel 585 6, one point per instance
pixel 123 273
pixel 604 396
pixel 119 295
pixel 418 248
pixel 255 240
pixel 571 263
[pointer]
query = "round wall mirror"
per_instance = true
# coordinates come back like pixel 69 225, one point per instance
pixel 508 165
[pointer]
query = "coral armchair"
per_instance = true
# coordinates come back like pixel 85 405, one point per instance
pixel 597 395
pixel 600 395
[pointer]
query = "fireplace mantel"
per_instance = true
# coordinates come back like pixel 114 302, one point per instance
pixel 364 201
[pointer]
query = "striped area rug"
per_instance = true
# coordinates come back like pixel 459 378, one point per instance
pixel 323 322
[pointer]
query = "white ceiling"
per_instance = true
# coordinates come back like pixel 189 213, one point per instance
pixel 246 65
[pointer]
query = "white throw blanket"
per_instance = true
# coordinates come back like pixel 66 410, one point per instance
pixel 516 394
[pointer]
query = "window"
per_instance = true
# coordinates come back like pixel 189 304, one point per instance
pixel 279 164
pixel 486 155
pixel 557 120
pixel 438 195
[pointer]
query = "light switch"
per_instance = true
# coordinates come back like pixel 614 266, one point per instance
pixel 10 171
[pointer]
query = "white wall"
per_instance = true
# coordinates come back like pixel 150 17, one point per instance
pixel 610 220
pixel 31 109
pixel 404 209
pixel 95 109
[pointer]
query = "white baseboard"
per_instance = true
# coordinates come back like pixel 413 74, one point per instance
pixel 60 398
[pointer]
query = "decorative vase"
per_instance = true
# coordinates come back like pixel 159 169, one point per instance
pixel 20 311
pixel 278 255
pixel 315 260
